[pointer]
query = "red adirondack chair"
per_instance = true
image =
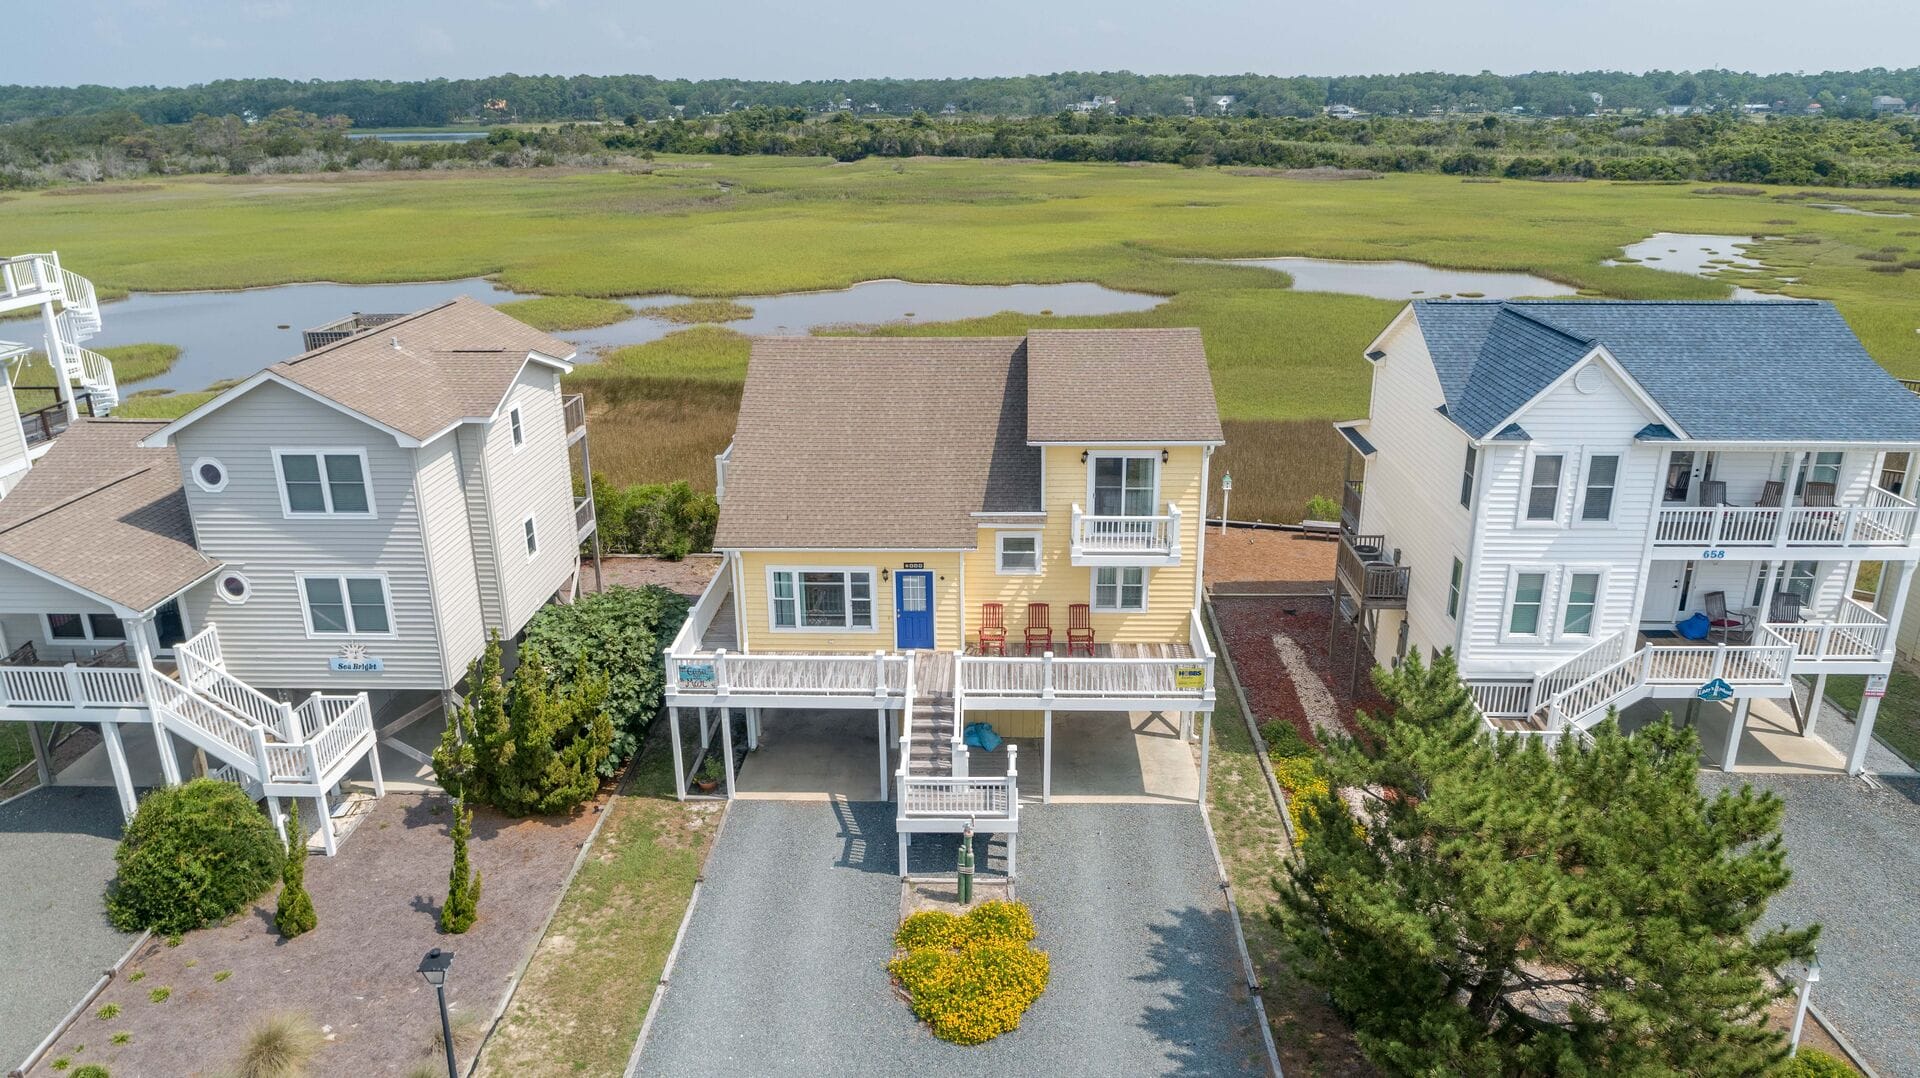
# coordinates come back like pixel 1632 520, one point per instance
pixel 993 628
pixel 1039 628
pixel 1079 629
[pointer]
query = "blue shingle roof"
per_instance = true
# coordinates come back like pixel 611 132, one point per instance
pixel 1725 371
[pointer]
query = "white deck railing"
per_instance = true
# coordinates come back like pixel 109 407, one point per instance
pixel 1146 536
pixel 1883 519
pixel 983 799
pixel 1855 633
pixel 878 675
pixel 686 642
pixel 1055 677
pixel 72 685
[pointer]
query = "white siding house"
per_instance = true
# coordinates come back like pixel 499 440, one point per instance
pixel 1554 490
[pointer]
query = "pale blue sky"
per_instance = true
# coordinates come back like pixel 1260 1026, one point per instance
pixel 128 42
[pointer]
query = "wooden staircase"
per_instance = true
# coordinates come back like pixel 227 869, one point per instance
pixel 933 790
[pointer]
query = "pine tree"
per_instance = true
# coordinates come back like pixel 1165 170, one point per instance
pixel 295 914
pixel 476 728
pixel 1489 906
pixel 463 884
pixel 556 739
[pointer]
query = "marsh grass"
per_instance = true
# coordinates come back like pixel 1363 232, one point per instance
pixel 660 429
pixel 550 313
pixel 1277 465
pixel 697 311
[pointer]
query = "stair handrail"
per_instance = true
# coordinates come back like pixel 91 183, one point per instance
pixel 906 737
pixel 958 758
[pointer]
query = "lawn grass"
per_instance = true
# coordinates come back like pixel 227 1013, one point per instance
pixel 15 748
pixel 1311 1038
pixel 1897 723
pixel 741 226
pixel 579 1007
pixel 550 313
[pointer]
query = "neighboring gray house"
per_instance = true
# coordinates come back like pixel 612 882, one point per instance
pixel 338 533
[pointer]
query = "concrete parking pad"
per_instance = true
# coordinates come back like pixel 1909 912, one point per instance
pixel 56 858
pixel 783 968
pixel 1855 855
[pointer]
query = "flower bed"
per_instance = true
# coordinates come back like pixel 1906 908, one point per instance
pixel 970 978
pixel 1247 627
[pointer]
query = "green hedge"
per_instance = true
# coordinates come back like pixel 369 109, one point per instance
pixel 617 634
pixel 662 520
pixel 192 855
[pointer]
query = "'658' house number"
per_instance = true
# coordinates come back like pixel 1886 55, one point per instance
pixel 1713 554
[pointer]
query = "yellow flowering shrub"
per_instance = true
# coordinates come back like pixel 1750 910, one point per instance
pixel 1303 780
pixel 971 978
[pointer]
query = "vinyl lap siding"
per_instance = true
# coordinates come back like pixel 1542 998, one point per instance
pixel 265 638
pixel 456 590
pixel 470 447
pixel 1412 491
pixel 756 613
pixel 535 479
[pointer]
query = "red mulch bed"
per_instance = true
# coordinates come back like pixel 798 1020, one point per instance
pixel 1247 626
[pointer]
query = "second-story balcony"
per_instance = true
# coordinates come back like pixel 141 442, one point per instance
pixel 1879 519
pixel 1368 573
pixel 1100 539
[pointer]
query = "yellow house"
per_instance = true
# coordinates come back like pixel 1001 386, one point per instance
pixel 950 531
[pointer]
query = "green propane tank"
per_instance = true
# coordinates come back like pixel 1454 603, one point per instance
pixel 966 866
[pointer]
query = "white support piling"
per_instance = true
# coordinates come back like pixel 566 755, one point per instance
pixel 679 762
pixel 753 729
pixel 1013 847
pixel 904 836
pixel 278 817
pixel 373 763
pixel 726 748
pixel 1862 735
pixel 327 840
pixel 1813 707
pixel 117 762
pixel 1206 746
pixel 880 721
pixel 169 759
pixel 706 732
pixel 1046 757
pixel 1734 730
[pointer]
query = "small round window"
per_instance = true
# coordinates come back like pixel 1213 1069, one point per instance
pixel 210 474
pixel 234 588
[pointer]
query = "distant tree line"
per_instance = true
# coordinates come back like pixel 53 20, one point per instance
pixel 545 98
pixel 1721 146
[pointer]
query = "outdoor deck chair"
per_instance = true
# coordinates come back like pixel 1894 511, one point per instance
pixel 1770 494
pixel 993 628
pixel 1787 607
pixel 1079 629
pixel 1039 627
pixel 23 655
pixel 1723 622
pixel 1819 495
pixel 1714 492
pixel 114 656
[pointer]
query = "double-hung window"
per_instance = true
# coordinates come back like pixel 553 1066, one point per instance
pixel 1018 553
pixel 821 599
pixel 346 605
pixel 1118 588
pixel 1466 477
pixel 519 433
pixel 1583 598
pixel 1124 486
pixel 1529 595
pixel 323 482
pixel 1453 589
pixel 533 544
pixel 1603 474
pixel 1543 487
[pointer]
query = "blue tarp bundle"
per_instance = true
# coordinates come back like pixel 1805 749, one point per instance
pixel 1694 628
pixel 981 736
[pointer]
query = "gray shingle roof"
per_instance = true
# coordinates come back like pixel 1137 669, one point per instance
pixel 1725 371
pixel 106 515
pixel 878 442
pixel 1112 385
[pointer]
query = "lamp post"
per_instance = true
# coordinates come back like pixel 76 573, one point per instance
pixel 434 968
pixel 1800 1010
pixel 1226 495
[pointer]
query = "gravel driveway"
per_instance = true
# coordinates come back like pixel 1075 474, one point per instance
pixel 783 967
pixel 1855 855
pixel 56 856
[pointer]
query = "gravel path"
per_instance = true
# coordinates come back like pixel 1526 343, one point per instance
pixel 56 856
pixel 783 967
pixel 1855 855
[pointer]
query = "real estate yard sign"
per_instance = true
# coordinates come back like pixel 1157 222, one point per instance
pixel 1876 687
pixel 1190 676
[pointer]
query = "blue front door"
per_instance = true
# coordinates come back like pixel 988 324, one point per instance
pixel 913 609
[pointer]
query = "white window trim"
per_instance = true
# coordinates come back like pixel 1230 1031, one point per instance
pixel 246 588
pixel 1469 476
pixel 530 536
pixel 1548 604
pixel 1578 519
pixel 1093 590
pixel 1456 587
pixel 1566 595
pixel 999 553
pixel 212 488
pixel 86 626
pixel 517 427
pixel 1094 457
pixel 306 608
pixel 799 611
pixel 1526 488
pixel 320 453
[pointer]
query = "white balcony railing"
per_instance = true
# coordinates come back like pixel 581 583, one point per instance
pixel 1883 519
pixel 879 676
pixel 1119 539
pixel 72 685
pixel 1854 634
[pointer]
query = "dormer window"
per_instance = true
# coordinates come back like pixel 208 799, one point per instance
pixel 323 482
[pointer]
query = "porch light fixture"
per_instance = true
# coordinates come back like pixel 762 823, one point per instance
pixel 1164 456
pixel 434 968
pixel 1083 456
pixel 883 574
